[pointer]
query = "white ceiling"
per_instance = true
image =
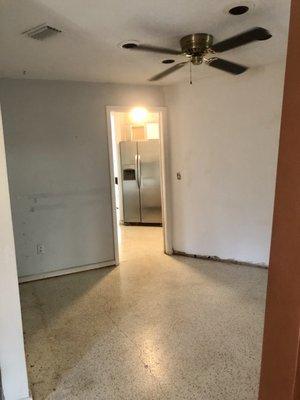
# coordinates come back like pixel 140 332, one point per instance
pixel 88 50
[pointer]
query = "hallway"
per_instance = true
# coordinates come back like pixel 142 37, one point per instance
pixel 156 327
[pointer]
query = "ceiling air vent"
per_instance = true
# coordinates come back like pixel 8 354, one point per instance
pixel 41 32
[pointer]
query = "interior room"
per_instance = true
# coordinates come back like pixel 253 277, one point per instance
pixel 134 135
pixel 139 150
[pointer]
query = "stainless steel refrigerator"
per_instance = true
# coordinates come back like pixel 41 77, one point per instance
pixel 140 176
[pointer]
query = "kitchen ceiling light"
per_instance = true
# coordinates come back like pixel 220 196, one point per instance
pixel 138 115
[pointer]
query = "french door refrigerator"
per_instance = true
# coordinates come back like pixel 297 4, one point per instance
pixel 140 176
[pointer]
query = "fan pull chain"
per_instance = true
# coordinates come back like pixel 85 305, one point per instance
pixel 191 77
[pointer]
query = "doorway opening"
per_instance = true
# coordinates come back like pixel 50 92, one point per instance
pixel 138 177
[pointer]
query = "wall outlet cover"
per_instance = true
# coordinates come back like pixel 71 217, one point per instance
pixel 40 249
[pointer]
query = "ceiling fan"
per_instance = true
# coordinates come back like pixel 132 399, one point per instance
pixel 199 48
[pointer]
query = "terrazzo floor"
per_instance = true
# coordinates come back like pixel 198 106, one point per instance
pixel 156 327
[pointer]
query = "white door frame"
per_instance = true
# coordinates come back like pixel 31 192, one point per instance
pixel 164 172
pixel 12 353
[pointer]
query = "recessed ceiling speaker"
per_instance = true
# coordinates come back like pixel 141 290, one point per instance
pixel 41 32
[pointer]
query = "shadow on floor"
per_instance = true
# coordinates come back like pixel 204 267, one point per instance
pixel 50 308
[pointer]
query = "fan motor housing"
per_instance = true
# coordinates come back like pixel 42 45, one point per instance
pixel 196 44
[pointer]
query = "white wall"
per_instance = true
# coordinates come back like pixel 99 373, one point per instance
pixel 12 356
pixel 224 135
pixel 57 154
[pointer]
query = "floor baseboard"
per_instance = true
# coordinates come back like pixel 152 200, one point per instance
pixel 66 271
pixel 218 259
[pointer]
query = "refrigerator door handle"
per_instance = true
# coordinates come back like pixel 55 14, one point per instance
pixel 136 159
pixel 139 170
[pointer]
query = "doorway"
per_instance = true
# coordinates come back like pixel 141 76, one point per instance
pixel 139 174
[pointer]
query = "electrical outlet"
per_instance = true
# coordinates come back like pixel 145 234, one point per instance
pixel 40 249
pixel 178 175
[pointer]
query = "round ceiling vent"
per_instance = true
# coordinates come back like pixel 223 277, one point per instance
pixel 245 7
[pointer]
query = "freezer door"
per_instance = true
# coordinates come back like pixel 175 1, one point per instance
pixel 149 181
pixel 130 188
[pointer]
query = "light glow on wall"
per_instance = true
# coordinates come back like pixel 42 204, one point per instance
pixel 138 115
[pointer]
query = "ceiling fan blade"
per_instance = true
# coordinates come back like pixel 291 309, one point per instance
pixel 243 38
pixel 168 71
pixel 155 49
pixel 226 66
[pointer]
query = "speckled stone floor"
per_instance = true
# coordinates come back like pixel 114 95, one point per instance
pixel 156 327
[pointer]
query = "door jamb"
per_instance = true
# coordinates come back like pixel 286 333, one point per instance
pixel 164 172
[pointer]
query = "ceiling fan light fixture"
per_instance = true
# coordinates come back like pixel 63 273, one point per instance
pixel 199 47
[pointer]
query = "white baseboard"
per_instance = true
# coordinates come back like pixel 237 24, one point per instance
pixel 66 271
